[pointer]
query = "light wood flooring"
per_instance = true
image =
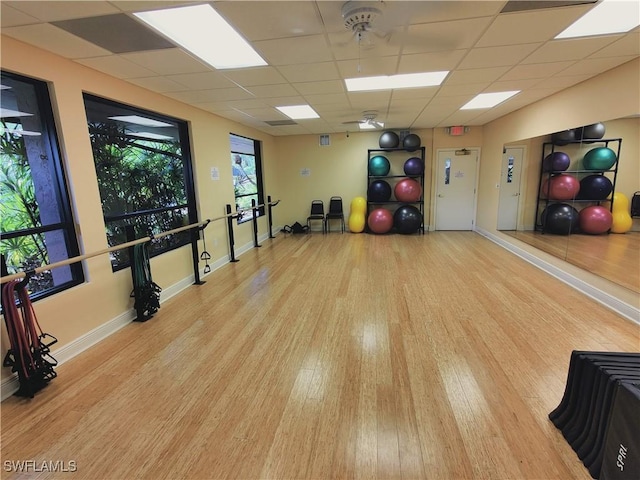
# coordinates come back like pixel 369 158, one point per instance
pixel 433 356
pixel 614 257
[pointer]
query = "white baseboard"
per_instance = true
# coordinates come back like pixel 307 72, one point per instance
pixel 622 308
pixel 10 385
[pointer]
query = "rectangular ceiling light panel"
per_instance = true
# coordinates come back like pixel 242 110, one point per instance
pixel 298 112
pixel 607 17
pixel 391 82
pixel 204 33
pixel 138 120
pixel 488 100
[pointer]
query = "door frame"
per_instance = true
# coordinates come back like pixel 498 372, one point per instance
pixel 434 184
pixel 521 186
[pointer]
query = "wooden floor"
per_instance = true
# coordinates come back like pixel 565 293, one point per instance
pixel 432 356
pixel 614 257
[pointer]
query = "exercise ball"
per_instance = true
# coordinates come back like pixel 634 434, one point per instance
pixel 389 139
pixel 595 219
pixel 595 131
pixel 357 214
pixel 621 219
pixel 599 158
pixel 411 142
pixel 560 219
pixel 407 219
pixel 595 187
pixel 556 162
pixel 564 137
pixel 407 190
pixel 379 166
pixel 379 191
pixel 380 220
pixel 413 166
pixel 561 187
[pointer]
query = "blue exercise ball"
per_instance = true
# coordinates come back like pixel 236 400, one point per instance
pixel 595 187
pixel 379 166
pixel 379 191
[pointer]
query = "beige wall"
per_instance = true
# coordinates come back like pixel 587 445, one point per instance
pixel 105 295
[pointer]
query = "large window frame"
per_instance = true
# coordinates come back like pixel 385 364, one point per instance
pixel 246 151
pixel 37 218
pixel 171 154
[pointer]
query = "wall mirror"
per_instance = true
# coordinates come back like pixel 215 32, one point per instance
pixel 544 212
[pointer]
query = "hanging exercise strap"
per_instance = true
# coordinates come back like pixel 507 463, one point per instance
pixel 145 292
pixel 29 354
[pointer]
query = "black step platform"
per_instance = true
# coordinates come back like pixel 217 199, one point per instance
pixel 599 414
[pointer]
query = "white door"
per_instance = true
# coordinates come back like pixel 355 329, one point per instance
pixel 456 189
pixel 510 188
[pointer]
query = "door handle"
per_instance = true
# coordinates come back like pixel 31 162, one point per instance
pixel 516 194
pixel 440 195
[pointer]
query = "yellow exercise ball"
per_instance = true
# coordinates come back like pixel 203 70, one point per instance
pixel 622 221
pixel 357 215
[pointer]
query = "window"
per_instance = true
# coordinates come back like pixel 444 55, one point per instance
pixel 246 166
pixel 143 167
pixel 35 213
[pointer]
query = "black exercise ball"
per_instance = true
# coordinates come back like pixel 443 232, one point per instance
pixel 595 187
pixel 379 191
pixel 411 142
pixel 407 219
pixel 560 219
pixel 564 137
pixel 594 131
pixel 389 139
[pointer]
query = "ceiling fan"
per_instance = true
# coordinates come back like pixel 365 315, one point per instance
pixel 363 20
pixel 368 118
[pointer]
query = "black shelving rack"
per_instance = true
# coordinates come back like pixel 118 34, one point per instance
pixel 395 161
pixel 548 148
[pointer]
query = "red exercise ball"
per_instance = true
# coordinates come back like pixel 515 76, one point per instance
pixel 561 187
pixel 407 190
pixel 595 219
pixel 380 220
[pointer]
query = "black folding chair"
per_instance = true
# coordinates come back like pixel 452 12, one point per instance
pixel 335 213
pixel 317 213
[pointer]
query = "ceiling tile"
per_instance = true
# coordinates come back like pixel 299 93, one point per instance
pixel 434 37
pixel 593 66
pixel 453 101
pixel 143 5
pixel 413 93
pixel 285 101
pixel 158 84
pixel 370 100
pixel 215 95
pixel 535 70
pixel 265 113
pixel 475 75
pixel 423 12
pixel 466 89
pixel 561 82
pixel 430 62
pixel 116 66
pixel 627 45
pixel 168 61
pixel 368 67
pixel 510 29
pixel 11 17
pixel 497 56
pixel 310 49
pixel 310 73
pixel 510 85
pixel 55 40
pixel 52 11
pixel 326 98
pixel 569 49
pixel 460 117
pixel 202 81
pixel 266 91
pixel 327 86
pixel 273 19
pixel 255 76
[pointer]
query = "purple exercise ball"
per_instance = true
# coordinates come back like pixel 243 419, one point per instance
pixel 413 166
pixel 556 162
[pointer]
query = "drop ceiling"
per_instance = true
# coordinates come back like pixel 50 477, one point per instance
pixel 487 46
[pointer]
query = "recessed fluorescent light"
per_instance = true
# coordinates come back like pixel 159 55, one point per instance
pixel 297 112
pixel 389 82
pixel 608 16
pixel 138 120
pixel 488 100
pixel 16 129
pixel 151 135
pixel 9 113
pixel 370 126
pixel 203 32
pixel 4 87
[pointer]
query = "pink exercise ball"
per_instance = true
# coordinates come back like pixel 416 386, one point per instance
pixel 561 187
pixel 407 190
pixel 380 220
pixel 595 220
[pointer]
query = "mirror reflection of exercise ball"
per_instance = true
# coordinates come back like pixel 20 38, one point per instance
pixel 621 218
pixel 560 219
pixel 595 187
pixel 595 131
pixel 389 139
pixel 561 187
pixel 556 162
pixel 564 137
pixel 599 158
pixel 595 219
pixel 407 219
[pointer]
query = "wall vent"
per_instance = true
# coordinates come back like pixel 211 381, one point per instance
pixel 280 123
pixel 325 140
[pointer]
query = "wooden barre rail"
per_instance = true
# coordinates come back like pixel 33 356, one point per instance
pixel 80 258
